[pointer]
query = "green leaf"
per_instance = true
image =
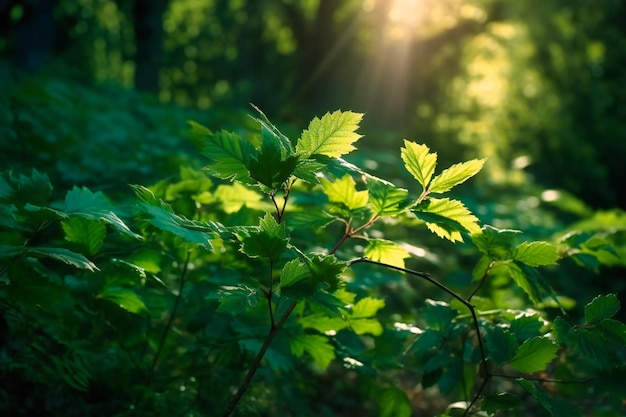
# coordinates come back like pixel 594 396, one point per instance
pixel 534 354
pixel 386 199
pixel 61 254
pixel 268 166
pixel 126 298
pixel 317 346
pixel 536 253
pixel 602 307
pixel 271 132
pixel 326 268
pixel 393 402
pixel 332 135
pixel 555 406
pixel 455 175
pixel 344 191
pixel 438 315
pixel 268 240
pixel 526 327
pixel 419 161
pixel 237 299
pixel 302 277
pixel 230 156
pixel 386 251
pixel 500 344
pixel 523 280
pixel 310 218
pixel 235 196
pixel 361 313
pixel 447 218
pixel 495 243
pixel 87 233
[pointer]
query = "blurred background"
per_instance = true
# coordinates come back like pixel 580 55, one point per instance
pixel 536 86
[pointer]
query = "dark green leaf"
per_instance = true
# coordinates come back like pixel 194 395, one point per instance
pixel 268 241
pixel 534 354
pixel 230 155
pixel 602 307
pixel 394 402
pixel 555 406
pixel 386 199
pixel 61 254
pixel 492 403
pixel 500 344
pixel 88 233
pixel 495 243
pixel 269 166
pixel 526 327
pixel 236 300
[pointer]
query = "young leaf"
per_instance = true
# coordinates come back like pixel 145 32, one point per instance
pixel 393 402
pixel 534 354
pixel 386 199
pixel 230 156
pixel 125 298
pixel 85 232
pixel 447 218
pixel 64 255
pixel 602 307
pixel 386 251
pixel 268 241
pixel 536 253
pixel 419 161
pixel 344 191
pixel 361 314
pixel 332 135
pixel 455 175
pixel 317 346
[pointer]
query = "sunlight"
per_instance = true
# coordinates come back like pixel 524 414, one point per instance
pixel 403 17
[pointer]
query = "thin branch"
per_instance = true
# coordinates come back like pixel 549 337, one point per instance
pixel 170 321
pixel 549 380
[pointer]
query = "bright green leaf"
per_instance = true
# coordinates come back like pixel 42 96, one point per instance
pixel 126 298
pixel 332 135
pixel 386 199
pixel 235 196
pixel 447 218
pixel 419 161
pixel 344 191
pixel 394 402
pixel 602 307
pixel 366 307
pixel 87 233
pixel 534 354
pixel 317 346
pixel 455 175
pixel 386 251
pixel 536 253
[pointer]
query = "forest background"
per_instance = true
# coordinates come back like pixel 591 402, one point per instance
pixel 98 93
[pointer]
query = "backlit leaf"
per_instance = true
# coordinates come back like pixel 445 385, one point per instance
pixel 386 251
pixel 536 253
pixel 317 346
pixel 126 298
pixel 332 135
pixel 394 402
pixel 534 354
pixel 602 307
pixel 447 218
pixel 419 161
pixel 456 174
pixel 85 232
pixel 495 243
pixel 344 191
pixel 386 199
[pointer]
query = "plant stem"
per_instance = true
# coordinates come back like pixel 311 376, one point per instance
pixel 257 360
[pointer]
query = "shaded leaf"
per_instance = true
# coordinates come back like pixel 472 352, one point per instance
pixel 602 307
pixel 555 406
pixel 386 199
pixel 126 298
pixel 332 135
pixel 237 299
pixel 495 243
pixel 87 233
pixel 394 402
pixel 269 240
pixel 500 344
pixel 229 154
pixel 61 254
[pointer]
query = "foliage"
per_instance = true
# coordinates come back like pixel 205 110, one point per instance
pixel 276 279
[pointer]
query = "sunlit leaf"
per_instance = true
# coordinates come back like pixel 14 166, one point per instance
pixel 332 135
pixel 386 251
pixel 455 175
pixel 269 167
pixel 602 307
pixel 344 191
pixel 361 314
pixel 235 196
pixel 534 354
pixel 317 346
pixel 419 161
pixel 447 218
pixel 386 199
pixel 495 243
pixel 85 232
pixel 536 253
pixel 126 298
pixel 394 402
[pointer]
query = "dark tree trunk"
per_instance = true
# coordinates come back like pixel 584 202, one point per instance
pixel 34 34
pixel 148 27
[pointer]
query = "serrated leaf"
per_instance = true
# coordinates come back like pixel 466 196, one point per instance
pixel 344 191
pixel 360 316
pixel 534 354
pixel 126 298
pixel 394 402
pixel 302 277
pixel 310 218
pixel 270 132
pixel 495 243
pixel 536 253
pixel 74 259
pixel 386 199
pixel 447 218
pixel 21 189
pixel 500 344
pixel 87 233
pixel 526 327
pixel 230 155
pixel 589 344
pixel 269 240
pixel 317 346
pixel 438 315
pixel 323 323
pixel 455 175
pixel 602 307
pixel 269 166
pixel 419 161
pixel 237 299
pixel 332 135
pixel 190 230
pixel 235 196
pixel 82 202
pixel 386 251
pixel 523 280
